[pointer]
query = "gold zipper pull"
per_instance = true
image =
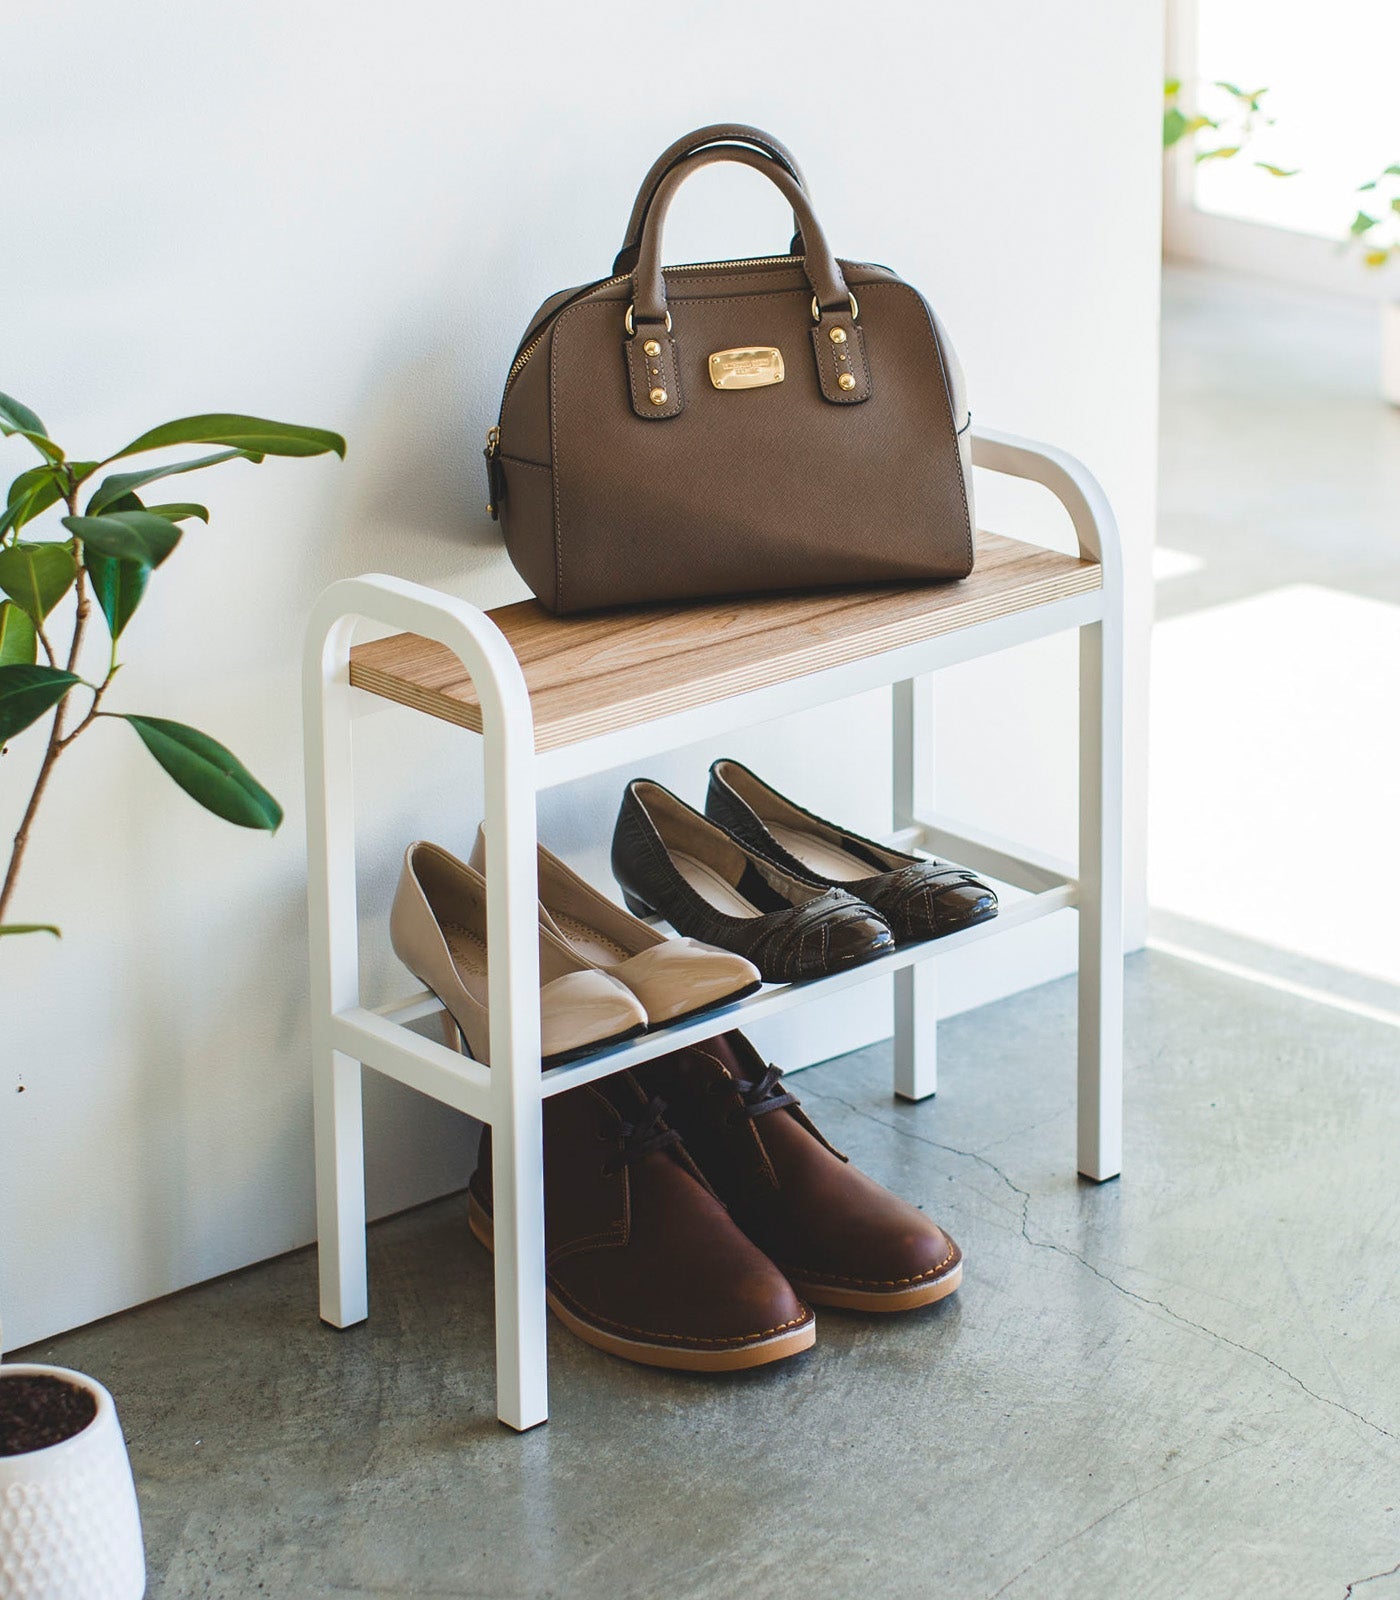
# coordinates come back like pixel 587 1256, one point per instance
pixel 493 472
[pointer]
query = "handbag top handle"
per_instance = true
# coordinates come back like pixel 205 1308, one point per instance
pixel 652 352
pixel 818 263
pixel 718 133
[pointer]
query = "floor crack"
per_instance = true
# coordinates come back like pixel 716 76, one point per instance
pixel 1098 1272
pixel 1356 1583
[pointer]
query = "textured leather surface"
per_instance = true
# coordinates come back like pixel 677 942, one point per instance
pixel 920 899
pixel 606 499
pixel 803 1204
pixel 817 930
pixel 644 1251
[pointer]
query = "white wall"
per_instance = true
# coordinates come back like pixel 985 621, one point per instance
pixel 343 214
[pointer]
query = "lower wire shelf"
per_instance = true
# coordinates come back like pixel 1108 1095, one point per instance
pixel 771 1000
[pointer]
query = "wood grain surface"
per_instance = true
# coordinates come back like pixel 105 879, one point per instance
pixel 593 674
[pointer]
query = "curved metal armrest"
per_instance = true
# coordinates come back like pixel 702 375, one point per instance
pixel 1072 484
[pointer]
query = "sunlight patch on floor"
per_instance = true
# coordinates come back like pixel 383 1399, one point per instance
pixel 1167 563
pixel 1275 784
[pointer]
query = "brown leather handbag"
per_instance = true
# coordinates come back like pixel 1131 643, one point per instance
pixel 731 427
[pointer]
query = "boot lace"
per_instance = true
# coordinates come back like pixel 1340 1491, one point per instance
pixel 765 1095
pixel 641 1138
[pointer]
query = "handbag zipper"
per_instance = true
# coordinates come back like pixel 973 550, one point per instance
pixel 493 434
pixel 607 283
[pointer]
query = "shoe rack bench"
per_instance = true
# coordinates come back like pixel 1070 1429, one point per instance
pixel 554 699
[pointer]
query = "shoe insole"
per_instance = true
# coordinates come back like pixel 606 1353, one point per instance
pixel 588 942
pixel 826 860
pixel 710 886
pixel 468 952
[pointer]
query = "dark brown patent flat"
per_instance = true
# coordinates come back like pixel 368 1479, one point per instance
pixel 919 898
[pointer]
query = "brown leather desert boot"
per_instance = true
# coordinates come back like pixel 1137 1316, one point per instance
pixel 641 1258
pixel 839 1238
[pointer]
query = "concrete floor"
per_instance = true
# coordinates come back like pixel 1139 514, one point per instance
pixel 1183 1384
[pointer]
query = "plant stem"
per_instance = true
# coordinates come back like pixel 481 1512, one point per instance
pixel 58 741
pixel 51 755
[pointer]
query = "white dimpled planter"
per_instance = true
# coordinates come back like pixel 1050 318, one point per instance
pixel 69 1524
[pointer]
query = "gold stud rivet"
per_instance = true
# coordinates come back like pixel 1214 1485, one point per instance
pixel 658 396
pixel 652 348
pixel 847 380
pixel 838 336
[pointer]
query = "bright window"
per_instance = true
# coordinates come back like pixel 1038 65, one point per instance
pixel 1333 76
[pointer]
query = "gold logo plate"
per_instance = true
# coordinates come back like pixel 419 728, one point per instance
pixel 751 368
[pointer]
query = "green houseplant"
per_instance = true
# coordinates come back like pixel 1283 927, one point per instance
pixel 1375 231
pixel 1376 226
pixel 63 1460
pixel 1238 119
pixel 98 551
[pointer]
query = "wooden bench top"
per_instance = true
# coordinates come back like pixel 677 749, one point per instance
pixel 591 675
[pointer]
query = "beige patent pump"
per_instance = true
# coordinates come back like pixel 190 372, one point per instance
pixel 438 930
pixel 674 979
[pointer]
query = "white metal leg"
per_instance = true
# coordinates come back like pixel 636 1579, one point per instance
pixel 334 978
pixel 510 1096
pixel 915 987
pixel 340 1188
pixel 517 1149
pixel 1100 900
pixel 1100 792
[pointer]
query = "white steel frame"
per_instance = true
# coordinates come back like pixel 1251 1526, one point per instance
pixel 347 1036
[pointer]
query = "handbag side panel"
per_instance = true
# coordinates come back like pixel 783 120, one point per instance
pixel 759 489
pixel 525 465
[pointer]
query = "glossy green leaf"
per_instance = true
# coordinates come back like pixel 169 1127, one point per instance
pixel 32 492
pixel 1171 88
pixel 1361 223
pixel 118 587
pixel 180 511
pixel 28 482
pixel 29 927
pixel 119 484
pixel 1221 153
pixel 256 435
pixel 37 576
pixel 15 418
pixel 18 641
pixel 209 773
pixel 127 535
pixel 26 693
pixel 1231 88
pixel 45 446
pixel 1173 128
pixel 1276 172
